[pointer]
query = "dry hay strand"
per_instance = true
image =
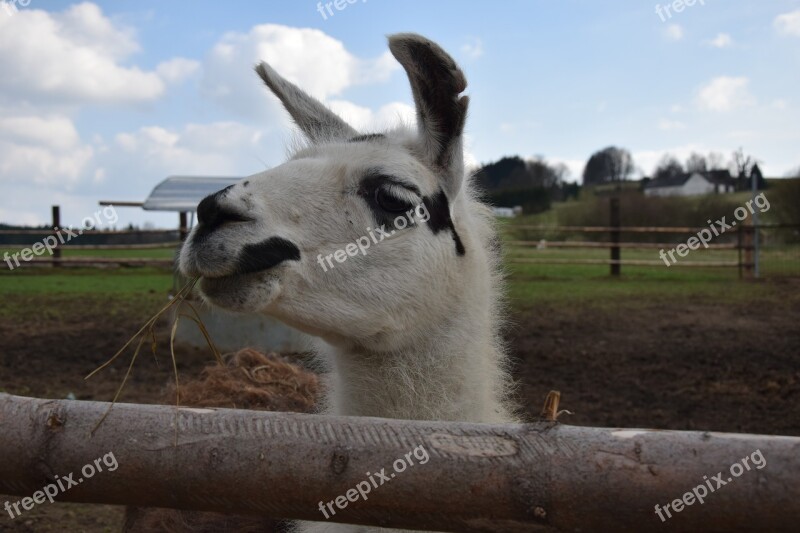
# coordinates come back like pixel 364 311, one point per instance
pixel 148 331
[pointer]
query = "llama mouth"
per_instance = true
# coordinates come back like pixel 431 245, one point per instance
pixel 253 259
pixel 265 255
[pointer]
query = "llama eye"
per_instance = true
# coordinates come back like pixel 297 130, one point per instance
pixel 389 202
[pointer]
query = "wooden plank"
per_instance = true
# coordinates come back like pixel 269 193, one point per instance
pixel 630 262
pixel 67 247
pixel 607 244
pixel 462 477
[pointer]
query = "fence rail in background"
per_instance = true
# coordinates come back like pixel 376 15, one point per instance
pixel 155 239
pixel 89 261
pixel 518 238
pixel 743 237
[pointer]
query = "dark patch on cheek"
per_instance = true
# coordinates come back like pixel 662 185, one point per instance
pixel 439 211
pixel 265 255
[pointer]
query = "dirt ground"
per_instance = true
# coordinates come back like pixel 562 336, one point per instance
pixel 683 365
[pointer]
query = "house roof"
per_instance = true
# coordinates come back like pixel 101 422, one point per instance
pixel 183 193
pixel 716 177
pixel 720 177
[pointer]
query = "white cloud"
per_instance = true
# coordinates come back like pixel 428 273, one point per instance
pixel 204 149
pixel 41 150
pixel 473 49
pixel 788 23
pixel 780 104
pixel 365 119
pixel 71 57
pixel 722 40
pixel 667 125
pixel 725 94
pixel 176 70
pixel 57 132
pixel 38 165
pixel 674 32
pixel 316 62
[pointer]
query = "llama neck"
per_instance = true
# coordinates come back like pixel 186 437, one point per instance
pixel 452 371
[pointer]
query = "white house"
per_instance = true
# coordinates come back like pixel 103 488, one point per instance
pixel 696 183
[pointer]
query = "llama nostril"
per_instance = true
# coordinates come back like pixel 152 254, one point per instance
pixel 211 214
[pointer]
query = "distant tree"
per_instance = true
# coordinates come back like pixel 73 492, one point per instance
pixel 743 165
pixel 755 174
pixel 532 184
pixel 608 164
pixel 668 167
pixel 516 173
pixel 542 174
pixel 505 173
pixel 696 163
pixel 570 190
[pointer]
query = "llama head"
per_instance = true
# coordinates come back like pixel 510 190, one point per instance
pixel 357 236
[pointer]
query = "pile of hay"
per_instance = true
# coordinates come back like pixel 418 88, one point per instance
pixel 249 380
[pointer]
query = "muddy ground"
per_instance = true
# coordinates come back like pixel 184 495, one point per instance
pixel 685 364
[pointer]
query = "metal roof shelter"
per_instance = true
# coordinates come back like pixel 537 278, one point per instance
pixel 183 193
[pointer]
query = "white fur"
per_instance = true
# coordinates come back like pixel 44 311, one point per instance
pixel 409 330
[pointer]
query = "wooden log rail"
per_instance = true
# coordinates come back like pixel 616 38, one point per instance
pixel 499 478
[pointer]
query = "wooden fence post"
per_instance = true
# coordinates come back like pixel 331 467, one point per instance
pixel 56 212
pixel 747 245
pixel 615 236
pixel 183 226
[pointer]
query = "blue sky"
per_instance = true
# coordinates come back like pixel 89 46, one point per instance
pixel 103 100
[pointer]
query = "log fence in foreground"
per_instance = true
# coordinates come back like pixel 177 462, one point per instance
pixel 517 477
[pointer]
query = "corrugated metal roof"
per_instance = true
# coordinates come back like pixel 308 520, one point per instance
pixel 183 193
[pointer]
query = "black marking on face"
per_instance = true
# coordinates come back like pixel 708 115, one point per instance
pixel 366 138
pixel 265 255
pixel 439 211
pixel 375 182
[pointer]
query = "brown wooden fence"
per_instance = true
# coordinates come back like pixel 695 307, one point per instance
pixel 741 240
pixel 618 240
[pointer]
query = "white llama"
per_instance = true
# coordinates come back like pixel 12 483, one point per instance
pixel 410 328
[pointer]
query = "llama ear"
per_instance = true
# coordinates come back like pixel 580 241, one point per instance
pixel 315 120
pixel 436 82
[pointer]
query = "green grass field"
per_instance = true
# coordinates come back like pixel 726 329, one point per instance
pixel 528 284
pixel 159 253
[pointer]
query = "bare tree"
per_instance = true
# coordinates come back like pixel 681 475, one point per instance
pixel 716 161
pixel 743 165
pixel 696 163
pixel 668 167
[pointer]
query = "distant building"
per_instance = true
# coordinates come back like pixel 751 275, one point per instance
pixel 692 184
pixel 507 212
